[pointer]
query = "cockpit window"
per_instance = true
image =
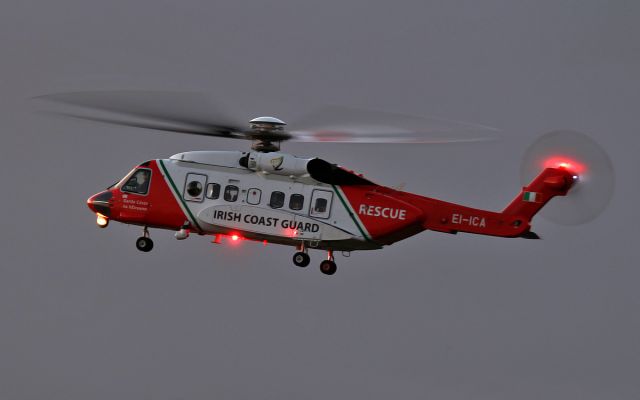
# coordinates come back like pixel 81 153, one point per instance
pixel 139 182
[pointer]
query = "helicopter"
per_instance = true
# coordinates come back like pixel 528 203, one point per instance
pixel 265 195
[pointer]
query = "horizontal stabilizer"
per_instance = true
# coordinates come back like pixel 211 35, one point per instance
pixel 530 235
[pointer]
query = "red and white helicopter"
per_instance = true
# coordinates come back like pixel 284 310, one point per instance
pixel 269 196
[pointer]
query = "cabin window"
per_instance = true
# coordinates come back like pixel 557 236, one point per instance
pixel 296 202
pixel 253 196
pixel 139 182
pixel 277 200
pixel 321 203
pixel 213 191
pixel 320 206
pixel 194 187
pixel 231 193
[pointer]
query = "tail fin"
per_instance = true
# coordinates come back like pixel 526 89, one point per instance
pixel 550 183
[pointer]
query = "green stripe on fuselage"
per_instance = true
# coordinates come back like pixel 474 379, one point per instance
pixel 177 194
pixel 351 214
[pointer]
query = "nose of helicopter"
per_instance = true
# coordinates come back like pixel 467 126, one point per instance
pixel 100 203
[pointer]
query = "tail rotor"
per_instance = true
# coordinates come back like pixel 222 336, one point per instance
pixel 590 166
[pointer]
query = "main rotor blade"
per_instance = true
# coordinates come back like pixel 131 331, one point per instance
pixel 194 113
pixel 375 135
pixel 351 125
pixel 154 125
pixel 177 108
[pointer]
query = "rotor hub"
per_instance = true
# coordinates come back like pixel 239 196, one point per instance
pixel 267 124
pixel 268 132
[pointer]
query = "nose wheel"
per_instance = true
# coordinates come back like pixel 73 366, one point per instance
pixel 144 243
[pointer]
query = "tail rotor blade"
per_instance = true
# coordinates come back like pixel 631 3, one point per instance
pixel 580 154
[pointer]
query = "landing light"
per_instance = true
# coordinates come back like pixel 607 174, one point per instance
pixel 101 220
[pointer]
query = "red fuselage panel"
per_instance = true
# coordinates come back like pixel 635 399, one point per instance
pixel 383 216
pixel 157 208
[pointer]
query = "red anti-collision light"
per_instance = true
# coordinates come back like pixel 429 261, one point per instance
pixel 565 162
pixel 235 238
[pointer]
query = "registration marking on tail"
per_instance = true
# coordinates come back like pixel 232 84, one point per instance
pixel 470 220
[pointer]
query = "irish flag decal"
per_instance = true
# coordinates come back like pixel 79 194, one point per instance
pixel 532 197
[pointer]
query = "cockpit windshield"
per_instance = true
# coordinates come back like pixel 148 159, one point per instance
pixel 138 182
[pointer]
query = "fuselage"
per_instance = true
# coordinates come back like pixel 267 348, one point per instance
pixel 267 197
pixel 307 203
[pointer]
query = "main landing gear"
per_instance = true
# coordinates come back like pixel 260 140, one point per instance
pixel 328 266
pixel 144 243
pixel 302 259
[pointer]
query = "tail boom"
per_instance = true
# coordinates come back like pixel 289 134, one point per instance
pixel 513 221
pixel 387 215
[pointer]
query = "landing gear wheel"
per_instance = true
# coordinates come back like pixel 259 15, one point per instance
pixel 301 259
pixel 328 267
pixel 144 244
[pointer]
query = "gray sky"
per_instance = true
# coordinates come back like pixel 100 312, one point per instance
pixel 84 315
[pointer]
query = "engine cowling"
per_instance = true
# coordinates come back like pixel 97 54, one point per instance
pixel 292 166
pixel 277 163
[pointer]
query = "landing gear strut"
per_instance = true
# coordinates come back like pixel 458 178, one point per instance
pixel 144 243
pixel 301 258
pixel 328 266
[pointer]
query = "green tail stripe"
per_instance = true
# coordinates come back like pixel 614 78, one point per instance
pixel 353 217
pixel 177 193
